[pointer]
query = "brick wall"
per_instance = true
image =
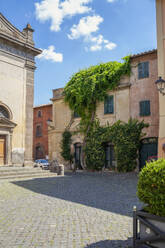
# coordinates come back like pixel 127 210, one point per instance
pixel 41 141
pixel 145 89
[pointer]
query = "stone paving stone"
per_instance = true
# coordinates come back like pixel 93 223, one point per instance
pixel 80 210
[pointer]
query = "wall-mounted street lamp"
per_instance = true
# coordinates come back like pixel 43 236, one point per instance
pixel 50 123
pixel 161 85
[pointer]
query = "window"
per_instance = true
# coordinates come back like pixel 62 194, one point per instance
pixel 38 131
pixel 4 113
pixel 143 70
pixel 39 113
pixel 76 115
pixel 109 105
pixel 145 108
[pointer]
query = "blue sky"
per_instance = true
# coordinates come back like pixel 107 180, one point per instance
pixel 75 34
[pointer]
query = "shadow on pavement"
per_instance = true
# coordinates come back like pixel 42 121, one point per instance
pixel 111 243
pixel 110 191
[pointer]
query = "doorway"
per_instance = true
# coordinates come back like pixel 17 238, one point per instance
pixel 148 151
pixel 77 155
pixel 109 156
pixel 2 150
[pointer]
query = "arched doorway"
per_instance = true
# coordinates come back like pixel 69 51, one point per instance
pixel 77 155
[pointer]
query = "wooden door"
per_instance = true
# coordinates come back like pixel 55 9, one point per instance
pixel 2 150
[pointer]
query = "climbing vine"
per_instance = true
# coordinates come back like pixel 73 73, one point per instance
pixel 89 86
pixel 126 140
pixel 66 146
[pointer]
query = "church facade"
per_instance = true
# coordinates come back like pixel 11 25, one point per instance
pixel 17 66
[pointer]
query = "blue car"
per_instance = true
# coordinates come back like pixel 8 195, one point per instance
pixel 43 163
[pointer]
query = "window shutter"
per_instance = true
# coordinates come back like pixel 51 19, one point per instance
pixel 109 105
pixel 143 70
pixel 140 70
pixel 141 108
pixel 146 69
pixel 145 108
pixel 106 105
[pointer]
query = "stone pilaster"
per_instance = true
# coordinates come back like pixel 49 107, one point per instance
pixel 30 68
pixel 160 12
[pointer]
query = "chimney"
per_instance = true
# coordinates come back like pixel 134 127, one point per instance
pixel 28 31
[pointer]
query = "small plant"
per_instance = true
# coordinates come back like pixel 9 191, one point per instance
pixel 151 187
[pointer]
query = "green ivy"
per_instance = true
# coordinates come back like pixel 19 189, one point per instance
pixel 66 145
pixel 126 140
pixel 84 90
pixel 94 150
pixel 89 86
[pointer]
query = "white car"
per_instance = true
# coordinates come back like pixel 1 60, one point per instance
pixel 43 163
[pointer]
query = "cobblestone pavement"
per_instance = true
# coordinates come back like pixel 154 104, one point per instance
pixel 88 210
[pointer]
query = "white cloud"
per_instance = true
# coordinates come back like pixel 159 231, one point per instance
pixel 50 54
pixel 85 27
pixel 111 1
pixel 57 10
pixel 100 43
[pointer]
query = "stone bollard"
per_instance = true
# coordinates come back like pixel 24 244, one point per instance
pixel 61 170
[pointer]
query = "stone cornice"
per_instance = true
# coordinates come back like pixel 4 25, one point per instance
pixel 25 46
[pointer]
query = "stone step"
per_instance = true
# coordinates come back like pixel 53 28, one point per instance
pixel 18 169
pixel 39 175
pixel 15 172
pixel 22 172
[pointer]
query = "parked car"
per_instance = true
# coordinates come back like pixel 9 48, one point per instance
pixel 43 163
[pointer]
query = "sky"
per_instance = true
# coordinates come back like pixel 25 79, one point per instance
pixel 75 34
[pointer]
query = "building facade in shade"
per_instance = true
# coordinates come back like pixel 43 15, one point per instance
pixel 17 66
pixel 41 116
pixel 136 97
pixel 160 17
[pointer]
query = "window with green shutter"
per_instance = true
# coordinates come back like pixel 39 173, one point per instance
pixel 145 108
pixel 109 105
pixel 143 70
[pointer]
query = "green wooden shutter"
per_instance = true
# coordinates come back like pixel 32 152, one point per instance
pixel 145 108
pixel 140 70
pixel 109 105
pixel 146 69
pixel 143 70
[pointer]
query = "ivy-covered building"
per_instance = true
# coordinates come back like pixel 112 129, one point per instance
pixel 135 96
